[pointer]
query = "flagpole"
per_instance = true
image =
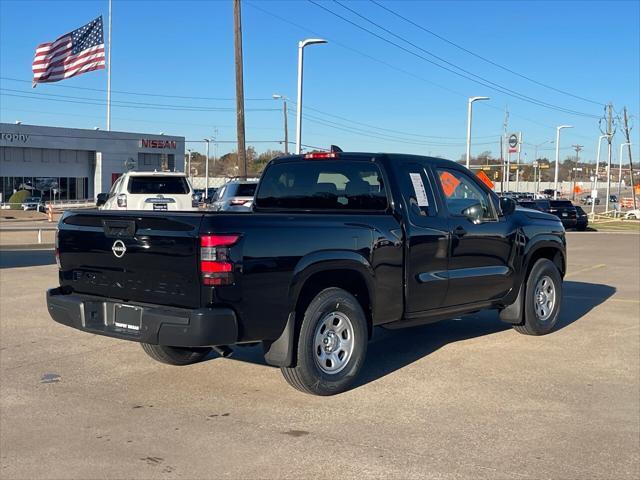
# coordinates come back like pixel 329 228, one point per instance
pixel 109 73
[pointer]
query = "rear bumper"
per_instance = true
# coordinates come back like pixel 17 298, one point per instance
pixel 568 222
pixel 159 325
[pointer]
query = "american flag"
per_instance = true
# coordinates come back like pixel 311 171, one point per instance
pixel 79 51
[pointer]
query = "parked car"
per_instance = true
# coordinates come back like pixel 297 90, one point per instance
pixel 542 205
pixel 528 204
pixel 632 214
pixel 565 211
pixel 613 199
pixel 157 191
pixel 588 200
pixel 336 244
pixel 549 192
pixel 235 196
pixel 198 195
pixel 33 203
pixel 582 219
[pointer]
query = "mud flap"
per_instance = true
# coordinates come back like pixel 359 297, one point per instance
pixel 514 313
pixel 279 352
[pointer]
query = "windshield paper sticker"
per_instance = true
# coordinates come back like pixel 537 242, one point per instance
pixel 418 187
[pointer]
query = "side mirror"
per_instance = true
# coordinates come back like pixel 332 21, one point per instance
pixel 507 205
pixel 101 199
pixel 474 212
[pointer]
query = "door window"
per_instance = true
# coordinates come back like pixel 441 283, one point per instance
pixel 418 192
pixel 461 192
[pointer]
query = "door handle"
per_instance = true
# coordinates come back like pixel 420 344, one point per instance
pixel 459 231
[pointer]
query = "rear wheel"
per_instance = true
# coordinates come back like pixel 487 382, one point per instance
pixel 175 355
pixel 542 300
pixel 332 344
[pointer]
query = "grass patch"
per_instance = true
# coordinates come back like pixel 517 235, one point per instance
pixel 616 226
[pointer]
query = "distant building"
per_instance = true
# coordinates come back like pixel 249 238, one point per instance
pixel 71 163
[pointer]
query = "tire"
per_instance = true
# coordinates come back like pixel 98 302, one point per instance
pixel 631 216
pixel 331 345
pixel 175 355
pixel 542 300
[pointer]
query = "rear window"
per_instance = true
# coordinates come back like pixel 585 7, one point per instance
pixel 246 189
pixel 158 185
pixel 323 185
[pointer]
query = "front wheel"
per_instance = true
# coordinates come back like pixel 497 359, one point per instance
pixel 542 300
pixel 175 355
pixel 332 344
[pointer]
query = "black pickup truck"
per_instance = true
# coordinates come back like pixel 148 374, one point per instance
pixel 336 244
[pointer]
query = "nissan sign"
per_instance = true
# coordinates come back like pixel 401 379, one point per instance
pixel 158 144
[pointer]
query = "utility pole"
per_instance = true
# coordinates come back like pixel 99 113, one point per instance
pixel 502 165
pixel 610 132
pixel 504 149
pixel 573 185
pixel 237 31
pixel 627 131
pixel 518 162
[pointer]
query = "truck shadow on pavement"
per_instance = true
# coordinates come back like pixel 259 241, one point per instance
pixel 391 350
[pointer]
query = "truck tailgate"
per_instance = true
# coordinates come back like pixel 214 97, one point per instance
pixel 134 256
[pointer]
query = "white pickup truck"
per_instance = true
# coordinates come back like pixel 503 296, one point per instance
pixel 159 191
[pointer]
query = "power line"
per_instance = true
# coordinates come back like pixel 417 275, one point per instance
pixel 409 73
pixel 60 114
pixel 146 94
pixel 466 75
pixel 495 64
pixel 379 136
pixel 391 130
pixel 135 105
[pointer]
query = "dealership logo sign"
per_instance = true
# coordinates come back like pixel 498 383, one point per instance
pixel 118 248
pixel 153 143
pixel 14 137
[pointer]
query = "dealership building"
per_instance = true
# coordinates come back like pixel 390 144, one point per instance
pixel 75 164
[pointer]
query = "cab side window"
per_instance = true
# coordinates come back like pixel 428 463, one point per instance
pixel 461 192
pixel 418 192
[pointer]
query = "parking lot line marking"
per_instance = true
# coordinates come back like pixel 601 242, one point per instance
pixel 585 269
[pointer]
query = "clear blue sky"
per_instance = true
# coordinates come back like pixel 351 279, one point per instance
pixel 587 48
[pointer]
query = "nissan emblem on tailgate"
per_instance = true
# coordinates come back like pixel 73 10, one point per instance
pixel 118 248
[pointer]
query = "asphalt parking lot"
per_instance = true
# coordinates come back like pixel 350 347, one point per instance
pixel 464 398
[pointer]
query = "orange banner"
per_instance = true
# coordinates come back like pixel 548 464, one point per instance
pixel 484 179
pixel 449 183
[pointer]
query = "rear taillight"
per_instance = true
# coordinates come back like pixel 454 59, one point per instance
pixel 122 200
pixel 57 250
pixel 236 202
pixel 216 266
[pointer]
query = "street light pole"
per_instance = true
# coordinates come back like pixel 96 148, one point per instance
pixel 536 159
pixel 595 185
pixel 555 187
pixel 620 170
pixel 286 128
pixel 206 170
pixel 189 164
pixel 301 45
pixel 469 116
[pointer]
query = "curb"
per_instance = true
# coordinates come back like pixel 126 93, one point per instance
pixel 27 246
